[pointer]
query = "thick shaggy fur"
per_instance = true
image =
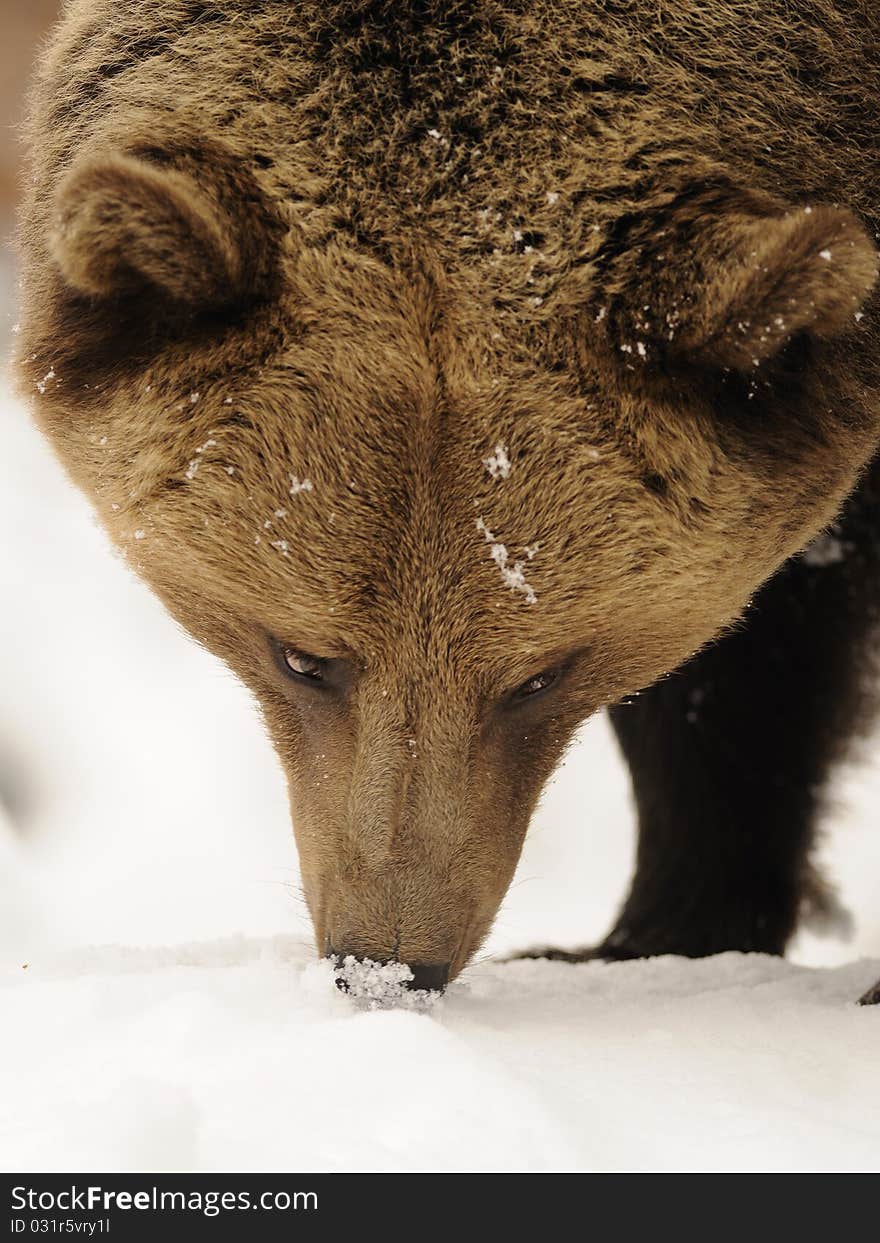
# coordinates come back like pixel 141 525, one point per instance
pixel 361 245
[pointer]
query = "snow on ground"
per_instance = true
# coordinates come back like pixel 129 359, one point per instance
pixel 147 811
pixel 243 1056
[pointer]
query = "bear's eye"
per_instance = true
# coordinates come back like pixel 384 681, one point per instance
pixel 536 685
pixel 302 665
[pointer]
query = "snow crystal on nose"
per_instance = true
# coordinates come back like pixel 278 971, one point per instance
pixel 381 985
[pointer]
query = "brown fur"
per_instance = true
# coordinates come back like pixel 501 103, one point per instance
pixel 364 243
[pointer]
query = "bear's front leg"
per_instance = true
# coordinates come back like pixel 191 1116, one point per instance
pixel 730 756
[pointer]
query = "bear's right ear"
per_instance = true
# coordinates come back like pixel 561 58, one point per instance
pixel 128 225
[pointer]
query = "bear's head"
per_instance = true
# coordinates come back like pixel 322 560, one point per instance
pixel 432 538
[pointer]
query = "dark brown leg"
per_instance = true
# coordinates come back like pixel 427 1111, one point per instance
pixel 731 754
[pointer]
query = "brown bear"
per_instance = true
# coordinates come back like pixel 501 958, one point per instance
pixel 457 368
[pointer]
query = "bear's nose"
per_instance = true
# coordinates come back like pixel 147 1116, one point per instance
pixel 432 977
pixel 353 972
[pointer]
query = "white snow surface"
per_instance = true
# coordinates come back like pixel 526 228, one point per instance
pixel 151 822
pixel 242 1055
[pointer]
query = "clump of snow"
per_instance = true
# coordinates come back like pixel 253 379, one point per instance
pixel 513 575
pixel 825 254
pixel 381 985
pixel 300 485
pixel 193 467
pixel 498 463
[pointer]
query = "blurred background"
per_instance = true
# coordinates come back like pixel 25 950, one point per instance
pixel 139 800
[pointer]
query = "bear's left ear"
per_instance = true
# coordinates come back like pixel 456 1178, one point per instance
pixel 193 231
pixel 727 284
